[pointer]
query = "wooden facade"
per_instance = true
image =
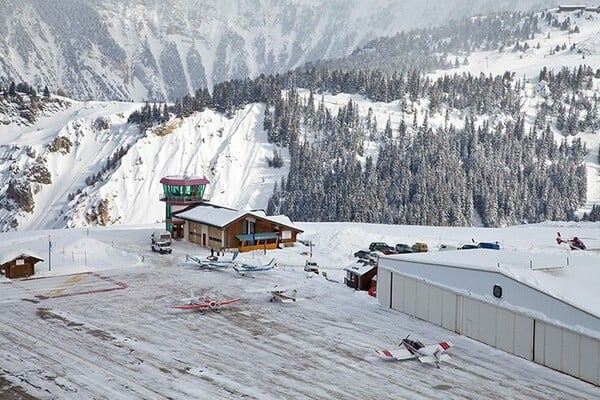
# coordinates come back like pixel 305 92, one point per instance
pixel 360 277
pixel 245 232
pixel 21 266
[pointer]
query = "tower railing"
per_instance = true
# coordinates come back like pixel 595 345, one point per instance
pixel 180 199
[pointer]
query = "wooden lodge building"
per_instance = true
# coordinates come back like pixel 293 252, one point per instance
pixel 189 216
pixel 222 228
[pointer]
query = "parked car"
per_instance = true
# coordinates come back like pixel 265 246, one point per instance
pixel 468 246
pixel 311 266
pixel 374 257
pixel 402 248
pixel 162 247
pixel 382 247
pixel 362 254
pixel 489 245
pixel 420 247
pixel 444 247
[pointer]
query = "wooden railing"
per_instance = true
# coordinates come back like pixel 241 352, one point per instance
pixel 262 246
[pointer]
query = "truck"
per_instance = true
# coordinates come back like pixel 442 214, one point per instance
pixel 161 236
pixel 311 266
pixel 162 247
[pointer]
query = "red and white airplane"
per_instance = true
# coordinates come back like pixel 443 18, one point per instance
pixel 279 294
pixel 415 350
pixel 204 303
pixel 283 295
pixel 575 243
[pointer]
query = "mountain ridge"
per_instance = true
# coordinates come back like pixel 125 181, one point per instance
pixel 220 145
pixel 114 50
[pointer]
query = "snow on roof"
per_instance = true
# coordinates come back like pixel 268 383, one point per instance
pixel 184 180
pixel 14 254
pixel 556 274
pixel 359 268
pixel 211 214
pixel 283 220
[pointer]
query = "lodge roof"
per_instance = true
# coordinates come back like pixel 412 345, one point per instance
pixel 211 214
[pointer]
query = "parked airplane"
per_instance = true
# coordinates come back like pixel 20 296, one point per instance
pixel 413 349
pixel 283 296
pixel 574 243
pixel 213 262
pixel 242 268
pixel 204 303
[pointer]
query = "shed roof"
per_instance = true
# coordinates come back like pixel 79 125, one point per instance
pixel 18 253
pixel 552 273
pixel 359 269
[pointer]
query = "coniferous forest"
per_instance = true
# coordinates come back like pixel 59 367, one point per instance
pixel 494 165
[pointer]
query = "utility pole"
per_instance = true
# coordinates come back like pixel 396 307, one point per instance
pixel 49 253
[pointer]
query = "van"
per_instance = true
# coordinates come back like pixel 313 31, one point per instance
pixel 420 247
pixel 161 236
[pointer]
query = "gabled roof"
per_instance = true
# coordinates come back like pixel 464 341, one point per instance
pixel 221 217
pixel 19 253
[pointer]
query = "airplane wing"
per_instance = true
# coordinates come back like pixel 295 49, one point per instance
pixel 396 354
pixel 432 359
pixel 226 302
pixel 197 306
pixel 194 258
pixel 217 264
pixel 434 353
pixel 205 304
pixel 207 263
pixel 284 298
pixel 274 288
pixel 433 348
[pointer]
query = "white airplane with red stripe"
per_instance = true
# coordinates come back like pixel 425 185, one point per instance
pixel 413 349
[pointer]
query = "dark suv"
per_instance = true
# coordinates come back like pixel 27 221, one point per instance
pixel 382 247
pixel 362 253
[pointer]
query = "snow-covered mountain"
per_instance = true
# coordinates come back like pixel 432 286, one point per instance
pixel 161 50
pixel 86 180
pixel 82 163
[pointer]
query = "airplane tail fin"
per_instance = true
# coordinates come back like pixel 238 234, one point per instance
pixel 235 255
pixel 445 345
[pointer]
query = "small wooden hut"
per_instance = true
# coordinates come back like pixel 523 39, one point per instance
pixel 19 265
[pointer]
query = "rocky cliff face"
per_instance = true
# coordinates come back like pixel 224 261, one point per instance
pixel 161 50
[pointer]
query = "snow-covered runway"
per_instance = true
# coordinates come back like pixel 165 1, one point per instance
pixel 129 343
